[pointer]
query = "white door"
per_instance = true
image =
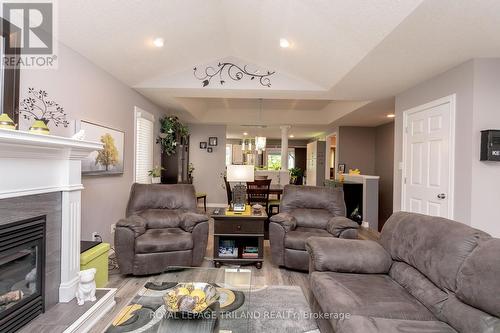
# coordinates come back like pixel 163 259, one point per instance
pixel 428 158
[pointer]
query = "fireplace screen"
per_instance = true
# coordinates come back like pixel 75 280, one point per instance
pixel 22 256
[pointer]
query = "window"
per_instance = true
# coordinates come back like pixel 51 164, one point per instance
pixel 229 154
pixel 274 158
pixel 144 141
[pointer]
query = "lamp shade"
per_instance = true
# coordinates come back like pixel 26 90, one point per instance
pixel 240 173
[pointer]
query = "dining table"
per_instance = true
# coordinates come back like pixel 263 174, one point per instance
pixel 276 189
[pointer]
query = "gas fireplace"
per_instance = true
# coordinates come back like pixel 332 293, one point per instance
pixel 22 269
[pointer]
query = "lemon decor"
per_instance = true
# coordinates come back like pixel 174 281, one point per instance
pixel 354 172
pixel 193 297
pixel 6 122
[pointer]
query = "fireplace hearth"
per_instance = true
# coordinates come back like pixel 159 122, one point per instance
pixel 22 270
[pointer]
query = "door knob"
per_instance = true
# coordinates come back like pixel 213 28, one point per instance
pixel 442 196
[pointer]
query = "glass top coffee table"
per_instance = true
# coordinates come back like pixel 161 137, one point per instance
pixel 231 313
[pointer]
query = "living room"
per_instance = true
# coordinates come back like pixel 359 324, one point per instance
pixel 222 166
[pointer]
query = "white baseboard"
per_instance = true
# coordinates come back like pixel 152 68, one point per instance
pixel 67 290
pixel 95 313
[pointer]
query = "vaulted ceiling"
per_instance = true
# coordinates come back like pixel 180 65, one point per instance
pixel 343 55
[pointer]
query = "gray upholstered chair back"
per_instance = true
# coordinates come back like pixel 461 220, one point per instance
pixel 161 196
pixel 313 206
pixel 450 267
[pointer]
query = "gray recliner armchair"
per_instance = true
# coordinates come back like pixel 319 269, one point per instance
pixel 161 229
pixel 307 211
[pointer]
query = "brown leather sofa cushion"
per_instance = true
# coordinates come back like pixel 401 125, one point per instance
pixel 161 218
pixel 296 239
pixel 163 240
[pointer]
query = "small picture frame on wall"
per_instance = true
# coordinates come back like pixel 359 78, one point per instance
pixel 212 141
pixel 209 149
pixel 342 168
pixel 203 145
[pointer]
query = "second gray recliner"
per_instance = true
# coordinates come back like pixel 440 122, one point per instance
pixel 307 211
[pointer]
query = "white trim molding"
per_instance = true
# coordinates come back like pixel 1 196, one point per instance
pixel 34 164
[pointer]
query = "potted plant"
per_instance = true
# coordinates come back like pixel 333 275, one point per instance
pixel 296 175
pixel 172 133
pixel 155 174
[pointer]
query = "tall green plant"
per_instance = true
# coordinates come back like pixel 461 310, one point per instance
pixel 172 133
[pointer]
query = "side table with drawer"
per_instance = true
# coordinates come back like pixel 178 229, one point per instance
pixel 244 230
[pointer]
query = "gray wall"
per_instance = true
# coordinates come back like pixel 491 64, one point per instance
pixel 476 85
pixel 356 148
pixel 384 167
pixel 485 175
pixel 208 166
pixel 457 81
pixel 87 92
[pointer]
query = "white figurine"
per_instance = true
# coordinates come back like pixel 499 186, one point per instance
pixel 79 136
pixel 86 287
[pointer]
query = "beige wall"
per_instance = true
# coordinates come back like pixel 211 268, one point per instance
pixel 208 166
pixel 459 81
pixel 87 92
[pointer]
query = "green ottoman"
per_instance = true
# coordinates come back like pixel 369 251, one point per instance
pixel 97 257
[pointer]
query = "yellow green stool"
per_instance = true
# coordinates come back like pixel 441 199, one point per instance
pixel 97 257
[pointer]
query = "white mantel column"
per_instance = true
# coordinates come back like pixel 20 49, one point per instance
pixel 284 147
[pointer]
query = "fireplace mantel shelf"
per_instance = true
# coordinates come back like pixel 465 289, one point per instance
pixel 18 144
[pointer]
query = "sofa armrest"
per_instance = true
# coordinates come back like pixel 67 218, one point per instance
pixel 339 224
pixel 189 220
pixel 347 255
pixel 285 220
pixel 135 223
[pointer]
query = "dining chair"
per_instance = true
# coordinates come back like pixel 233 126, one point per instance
pixel 229 193
pixel 258 192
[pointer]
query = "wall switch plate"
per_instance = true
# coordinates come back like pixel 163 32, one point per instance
pixel 365 225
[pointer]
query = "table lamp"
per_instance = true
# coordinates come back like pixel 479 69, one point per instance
pixel 240 174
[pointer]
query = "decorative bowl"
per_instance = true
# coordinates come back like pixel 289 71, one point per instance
pixel 190 298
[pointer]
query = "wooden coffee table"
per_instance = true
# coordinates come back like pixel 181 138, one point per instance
pixel 244 230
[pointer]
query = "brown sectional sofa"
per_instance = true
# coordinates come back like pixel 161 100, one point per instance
pixel 427 274
pixel 161 229
pixel 307 211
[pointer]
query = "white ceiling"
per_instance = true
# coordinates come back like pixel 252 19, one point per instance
pixel 344 54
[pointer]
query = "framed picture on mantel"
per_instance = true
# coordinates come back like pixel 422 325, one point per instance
pixel 109 160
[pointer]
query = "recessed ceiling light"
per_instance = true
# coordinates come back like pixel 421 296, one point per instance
pixel 391 115
pixel 284 43
pixel 245 133
pixel 292 136
pixel 158 42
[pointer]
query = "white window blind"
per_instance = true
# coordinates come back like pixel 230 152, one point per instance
pixel 144 141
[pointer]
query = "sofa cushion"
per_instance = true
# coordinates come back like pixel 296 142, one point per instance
pixel 311 217
pixel 435 246
pixel 479 279
pixel 296 239
pixel 163 240
pixel 161 218
pixel 371 295
pixel 377 325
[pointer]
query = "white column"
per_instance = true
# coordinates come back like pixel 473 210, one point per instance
pixel 284 147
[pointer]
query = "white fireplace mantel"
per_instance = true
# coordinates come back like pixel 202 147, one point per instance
pixel 34 164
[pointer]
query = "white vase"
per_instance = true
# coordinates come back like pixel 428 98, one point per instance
pixel 155 180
